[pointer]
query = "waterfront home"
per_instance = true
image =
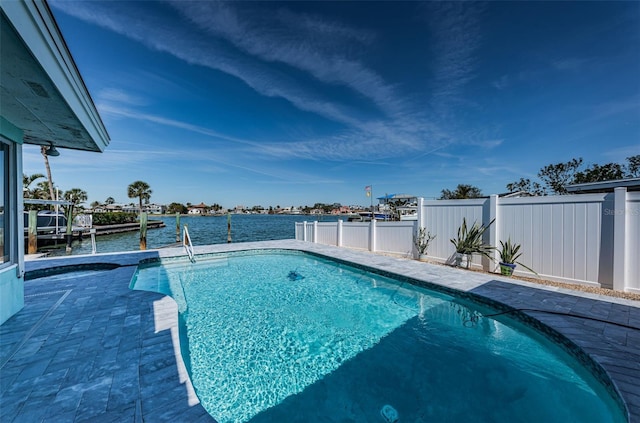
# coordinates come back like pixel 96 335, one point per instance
pixel 44 102
pixel 198 210
pixel 341 210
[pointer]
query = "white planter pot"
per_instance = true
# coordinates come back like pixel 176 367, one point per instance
pixel 423 257
pixel 463 260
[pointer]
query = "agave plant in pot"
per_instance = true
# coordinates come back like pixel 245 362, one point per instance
pixel 422 240
pixel 469 242
pixel 509 253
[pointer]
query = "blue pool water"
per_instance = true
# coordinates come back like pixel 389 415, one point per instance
pixel 290 337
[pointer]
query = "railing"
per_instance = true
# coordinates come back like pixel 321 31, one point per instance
pixel 186 243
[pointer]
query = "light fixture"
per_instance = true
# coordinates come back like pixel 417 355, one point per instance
pixel 51 150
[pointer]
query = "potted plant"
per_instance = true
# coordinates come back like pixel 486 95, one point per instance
pixel 509 253
pixel 469 242
pixel 421 240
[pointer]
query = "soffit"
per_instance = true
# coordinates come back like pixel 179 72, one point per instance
pixel 31 97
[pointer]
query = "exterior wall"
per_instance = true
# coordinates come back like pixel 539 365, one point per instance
pixel 11 292
pixel 11 272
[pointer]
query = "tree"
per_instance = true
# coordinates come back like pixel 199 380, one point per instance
pixel 95 204
pixel 598 173
pixel 462 191
pixel 75 196
pixel 26 184
pixel 141 191
pixel 557 176
pixel 109 200
pixel 526 186
pixel 43 151
pixel 174 208
pixel 42 192
pixel 633 166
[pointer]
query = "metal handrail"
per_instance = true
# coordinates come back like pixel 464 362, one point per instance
pixel 186 243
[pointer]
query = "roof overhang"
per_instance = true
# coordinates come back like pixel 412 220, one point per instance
pixel 42 92
pixel 632 184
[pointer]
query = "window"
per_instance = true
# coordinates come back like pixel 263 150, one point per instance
pixel 4 203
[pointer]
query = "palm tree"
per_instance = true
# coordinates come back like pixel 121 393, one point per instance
pixel 75 196
pixel 462 191
pixel 43 151
pixel 110 200
pixel 26 184
pixel 42 190
pixel 140 190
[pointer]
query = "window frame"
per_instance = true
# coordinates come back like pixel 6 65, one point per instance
pixel 10 193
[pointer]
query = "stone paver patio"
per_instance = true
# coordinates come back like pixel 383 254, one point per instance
pixel 87 348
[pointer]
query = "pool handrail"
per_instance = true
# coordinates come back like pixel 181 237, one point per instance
pixel 186 243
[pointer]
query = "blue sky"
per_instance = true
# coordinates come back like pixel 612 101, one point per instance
pixel 293 103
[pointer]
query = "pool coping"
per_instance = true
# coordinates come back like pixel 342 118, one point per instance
pixel 615 348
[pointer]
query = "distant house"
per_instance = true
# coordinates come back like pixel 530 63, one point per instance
pixel 108 208
pixel 341 210
pixel 200 209
pixel 155 208
pixel 130 208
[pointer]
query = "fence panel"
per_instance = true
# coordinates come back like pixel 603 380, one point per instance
pixel 560 236
pixel 327 233
pixel 444 217
pixel 355 235
pixel 395 237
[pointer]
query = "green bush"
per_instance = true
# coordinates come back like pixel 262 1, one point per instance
pixel 111 218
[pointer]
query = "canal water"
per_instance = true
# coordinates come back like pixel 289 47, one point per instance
pixel 204 230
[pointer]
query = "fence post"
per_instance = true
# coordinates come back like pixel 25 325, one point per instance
pixel 339 236
pixel 372 235
pixel 304 231
pixel 619 238
pixel 494 235
pixel 421 216
pixel 315 231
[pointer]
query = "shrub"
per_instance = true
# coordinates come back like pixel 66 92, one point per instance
pixel 111 218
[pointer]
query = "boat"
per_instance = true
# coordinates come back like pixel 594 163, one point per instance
pixel 366 216
pixel 408 212
pixel 51 226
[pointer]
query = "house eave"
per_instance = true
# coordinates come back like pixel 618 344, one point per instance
pixel 42 90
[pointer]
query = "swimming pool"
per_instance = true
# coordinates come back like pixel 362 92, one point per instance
pixel 285 336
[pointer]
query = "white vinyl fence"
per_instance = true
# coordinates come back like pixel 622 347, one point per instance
pixel 590 239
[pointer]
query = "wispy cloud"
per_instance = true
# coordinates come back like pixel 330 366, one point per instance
pixel 228 41
pixel 109 109
pixel 120 96
pixel 456 33
pixel 311 44
pixel 164 35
